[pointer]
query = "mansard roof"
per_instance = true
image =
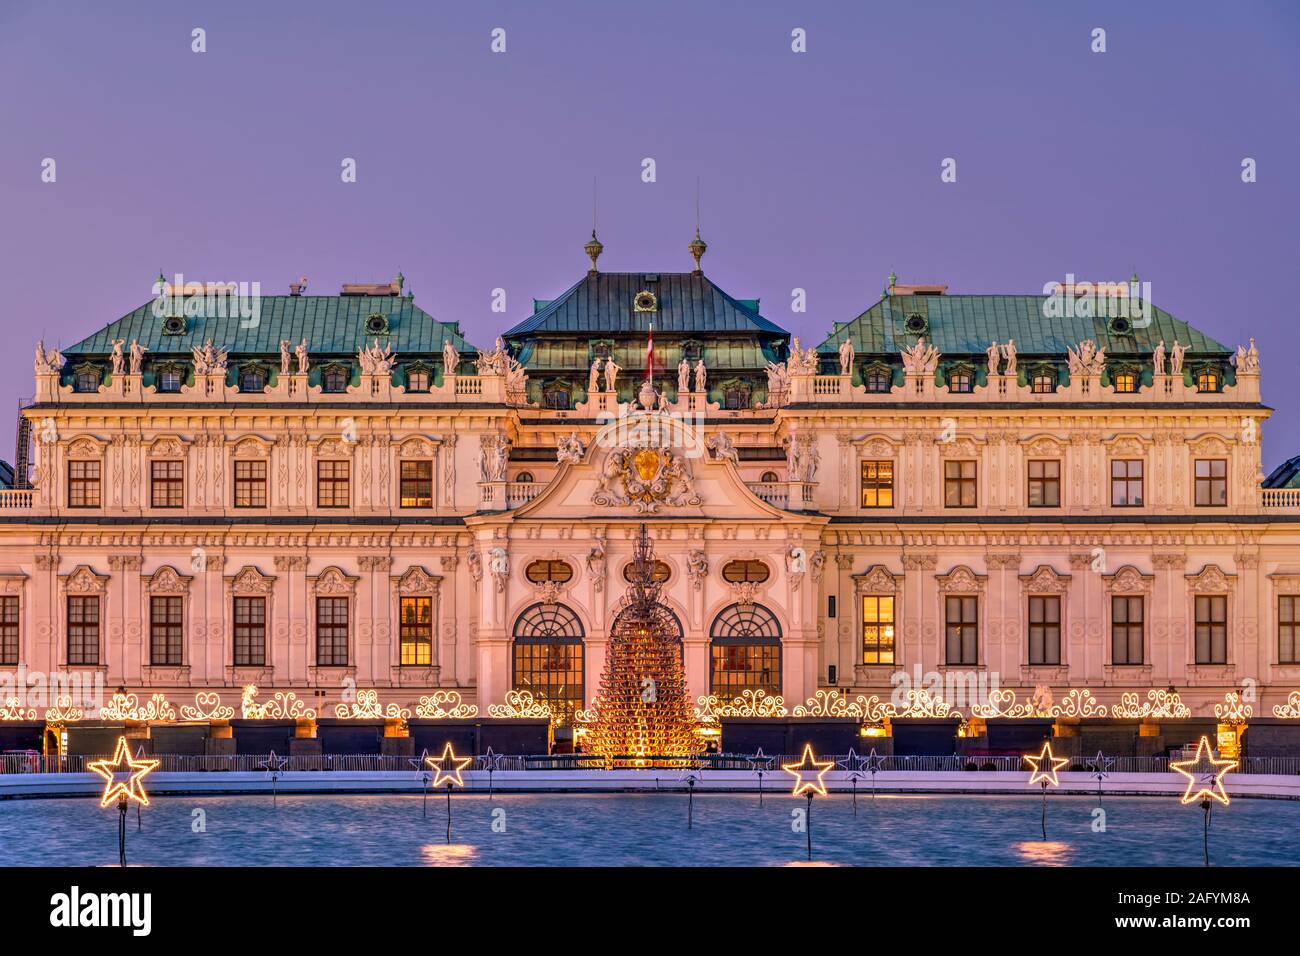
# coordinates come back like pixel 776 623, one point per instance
pixel 966 324
pixel 688 304
pixel 1285 475
pixel 331 324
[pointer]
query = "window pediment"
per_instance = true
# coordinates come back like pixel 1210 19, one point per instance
pixel 167 580
pixel 250 580
pixel 1128 580
pixel 961 580
pixel 1211 579
pixel 1045 579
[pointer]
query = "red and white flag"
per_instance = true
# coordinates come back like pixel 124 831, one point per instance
pixel 650 354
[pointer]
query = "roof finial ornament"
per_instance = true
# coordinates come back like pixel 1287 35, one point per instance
pixel 893 279
pixel 698 247
pixel 593 249
pixel 399 280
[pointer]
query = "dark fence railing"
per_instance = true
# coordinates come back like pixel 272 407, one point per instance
pixel 249 763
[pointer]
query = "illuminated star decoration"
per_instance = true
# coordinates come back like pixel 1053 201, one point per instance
pixel 274 765
pixel 491 761
pixel 123 763
pixel 875 762
pixel 1046 774
pixel 421 772
pixel 760 761
pixel 1100 765
pixel 808 773
pixel 448 767
pixel 853 764
pixel 1205 770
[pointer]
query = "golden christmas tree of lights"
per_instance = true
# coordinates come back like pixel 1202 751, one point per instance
pixel 641 708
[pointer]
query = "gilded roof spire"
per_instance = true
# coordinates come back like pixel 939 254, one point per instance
pixel 698 248
pixel 593 250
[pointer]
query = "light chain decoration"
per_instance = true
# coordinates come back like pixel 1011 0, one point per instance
pixel 520 705
pixel 123 763
pixel 281 706
pixel 1204 774
pixel 207 706
pixel 1291 709
pixel 13 710
pixel 63 712
pixel 1233 710
pixel 368 707
pixel 127 707
pixel 444 705
pixel 1159 703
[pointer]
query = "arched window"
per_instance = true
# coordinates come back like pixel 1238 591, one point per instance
pixel 86 380
pixel 961 380
pixel 548 658
pixel 769 476
pixel 660 574
pixel 1207 380
pixel 252 380
pixel 752 572
pixel 744 651
pixel 525 477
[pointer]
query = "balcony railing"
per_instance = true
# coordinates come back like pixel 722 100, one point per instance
pixel 16 499
pixel 1280 497
pixel 521 492
pixel 773 492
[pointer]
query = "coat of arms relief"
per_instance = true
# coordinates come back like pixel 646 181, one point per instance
pixel 645 476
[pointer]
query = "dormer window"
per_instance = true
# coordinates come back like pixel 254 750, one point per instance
pixel 878 378
pixel 1125 381
pixel 1207 380
pixel 735 396
pixel 252 379
pixel 556 397
pixel 961 380
pixel 86 379
pixel 334 379
pixel 1043 382
pixel 417 380
pixel 170 379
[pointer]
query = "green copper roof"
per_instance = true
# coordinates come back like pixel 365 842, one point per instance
pixel 566 356
pixel 688 304
pixel 332 325
pixel 966 324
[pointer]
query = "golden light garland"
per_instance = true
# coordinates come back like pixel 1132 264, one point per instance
pixel 753 703
pixel 1233 710
pixel 127 707
pixel 1159 704
pixel 918 703
pixel 207 706
pixel 13 710
pixel 1291 709
pixel 520 705
pixel 808 773
pixel 368 707
pixel 1079 703
pixel 1206 766
pixel 123 762
pixel 1045 765
pixel 1002 703
pixel 281 706
pixel 448 767
pixel 444 704
pixel 831 703
pixel 63 712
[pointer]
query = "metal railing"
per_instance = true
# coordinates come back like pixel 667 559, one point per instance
pixel 258 763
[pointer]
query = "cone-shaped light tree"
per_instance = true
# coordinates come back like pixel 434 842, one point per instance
pixel 642 709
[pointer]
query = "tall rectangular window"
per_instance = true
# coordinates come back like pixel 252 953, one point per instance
pixel 1288 629
pixel 83 630
pixel 959 484
pixel 877 484
pixel 166 630
pixel 417 484
pixel 1045 483
pixel 83 484
pixel 1211 482
pixel 167 484
pixel 331 632
pixel 961 617
pixel 1211 629
pixel 1045 629
pixel 250 631
pixel 878 629
pixel 1126 616
pixel 1126 483
pixel 250 484
pixel 9 630
pixel 332 484
pixel 417 630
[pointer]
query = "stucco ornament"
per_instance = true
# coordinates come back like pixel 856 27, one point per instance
pixel 570 449
pixel 375 360
pixel 722 448
pixel 645 476
pixel 499 566
pixel 697 566
pixel 450 358
pixel 494 455
pixel 920 359
pixel 1087 359
pixel 209 360
pixel 50 361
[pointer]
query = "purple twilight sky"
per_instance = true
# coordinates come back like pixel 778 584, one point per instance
pixel 819 170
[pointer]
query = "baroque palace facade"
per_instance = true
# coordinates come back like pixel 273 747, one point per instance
pixel 342 492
